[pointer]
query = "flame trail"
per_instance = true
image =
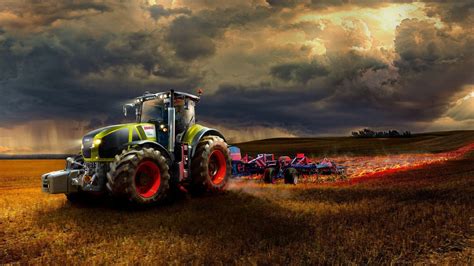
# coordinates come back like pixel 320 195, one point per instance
pixel 360 166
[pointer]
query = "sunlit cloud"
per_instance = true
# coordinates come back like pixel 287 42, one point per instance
pixel 465 98
pixel 380 22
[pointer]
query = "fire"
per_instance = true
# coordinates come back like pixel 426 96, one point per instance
pixel 361 166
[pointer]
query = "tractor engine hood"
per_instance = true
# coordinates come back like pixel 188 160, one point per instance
pixel 104 143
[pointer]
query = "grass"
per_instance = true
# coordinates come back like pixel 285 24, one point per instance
pixel 329 146
pixel 422 215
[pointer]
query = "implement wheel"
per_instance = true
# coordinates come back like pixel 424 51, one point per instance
pixel 291 176
pixel 141 176
pixel 211 165
pixel 269 175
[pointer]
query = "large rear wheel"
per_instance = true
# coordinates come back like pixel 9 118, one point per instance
pixel 211 165
pixel 141 176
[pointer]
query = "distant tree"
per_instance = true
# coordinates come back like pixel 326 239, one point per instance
pixel 368 133
pixel 393 134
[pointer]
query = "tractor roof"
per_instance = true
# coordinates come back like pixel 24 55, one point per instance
pixel 177 94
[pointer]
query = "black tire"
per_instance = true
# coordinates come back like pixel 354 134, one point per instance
pixel 211 165
pixel 269 175
pixel 291 176
pixel 148 167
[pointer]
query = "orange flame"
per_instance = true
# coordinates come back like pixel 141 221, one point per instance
pixel 362 167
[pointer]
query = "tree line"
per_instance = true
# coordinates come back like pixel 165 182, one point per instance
pixel 368 133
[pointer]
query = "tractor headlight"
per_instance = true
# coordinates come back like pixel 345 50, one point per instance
pixel 97 142
pixel 163 128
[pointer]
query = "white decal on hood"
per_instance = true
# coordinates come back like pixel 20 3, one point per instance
pixel 150 131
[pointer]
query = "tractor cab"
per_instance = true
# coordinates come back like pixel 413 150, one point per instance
pixel 171 112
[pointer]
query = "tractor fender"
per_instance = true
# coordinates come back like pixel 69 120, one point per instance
pixel 195 133
pixel 151 144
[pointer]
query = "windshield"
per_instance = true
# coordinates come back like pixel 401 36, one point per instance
pixel 153 110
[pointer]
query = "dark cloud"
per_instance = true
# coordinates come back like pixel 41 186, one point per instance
pixel 82 61
pixel 320 111
pixel 45 13
pixel 434 65
pixel 358 88
pixel 283 3
pixel 195 36
pixel 318 4
pixel 452 11
pixel 79 76
pixel 421 46
pixel 299 72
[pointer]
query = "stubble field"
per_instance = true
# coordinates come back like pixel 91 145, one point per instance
pixel 413 215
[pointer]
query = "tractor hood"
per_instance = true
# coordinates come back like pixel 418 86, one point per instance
pixel 104 143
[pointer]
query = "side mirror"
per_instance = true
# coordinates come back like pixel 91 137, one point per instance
pixel 125 108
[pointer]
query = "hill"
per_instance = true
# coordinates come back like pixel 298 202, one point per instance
pixel 433 142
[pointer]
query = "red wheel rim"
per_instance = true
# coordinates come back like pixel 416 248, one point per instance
pixel 147 179
pixel 217 167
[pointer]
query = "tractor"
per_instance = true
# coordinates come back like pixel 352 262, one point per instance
pixel 143 161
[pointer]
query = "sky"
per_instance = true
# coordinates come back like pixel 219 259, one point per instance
pixel 268 68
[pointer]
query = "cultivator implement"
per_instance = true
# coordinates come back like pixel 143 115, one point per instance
pixel 285 167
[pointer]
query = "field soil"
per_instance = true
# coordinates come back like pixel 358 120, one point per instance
pixel 422 214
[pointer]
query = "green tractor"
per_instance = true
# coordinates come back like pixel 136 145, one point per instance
pixel 164 149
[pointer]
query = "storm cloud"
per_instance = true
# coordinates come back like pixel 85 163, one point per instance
pixel 297 67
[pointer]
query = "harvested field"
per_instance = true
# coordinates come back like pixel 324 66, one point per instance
pixel 421 214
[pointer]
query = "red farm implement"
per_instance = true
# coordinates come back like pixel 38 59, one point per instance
pixel 246 165
pixel 284 168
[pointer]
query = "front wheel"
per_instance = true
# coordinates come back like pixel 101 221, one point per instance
pixel 211 165
pixel 141 176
